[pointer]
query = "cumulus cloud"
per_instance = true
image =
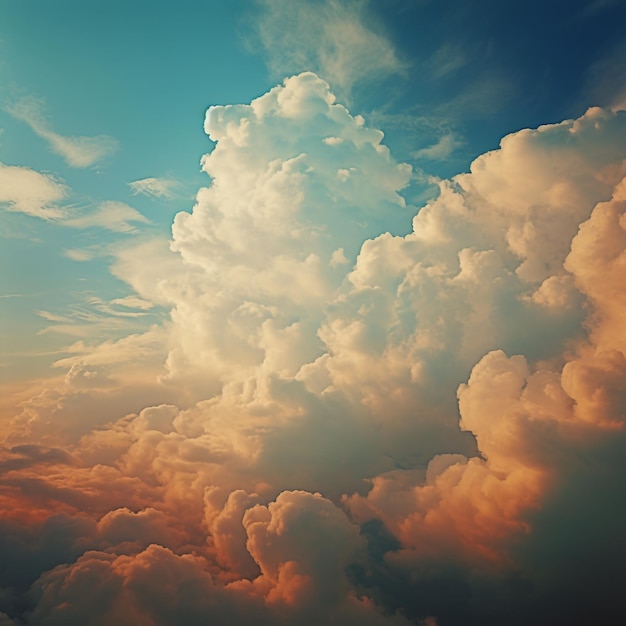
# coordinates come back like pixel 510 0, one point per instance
pixel 337 39
pixel 349 418
pixel 298 178
pixel 77 151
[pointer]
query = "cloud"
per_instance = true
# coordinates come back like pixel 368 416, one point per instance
pixel 77 151
pixel 79 255
pixel 27 455
pixel 96 318
pixel 290 164
pixel 348 417
pixel 110 215
pixel 26 191
pixel 439 151
pixel 132 302
pixel 154 187
pixel 336 39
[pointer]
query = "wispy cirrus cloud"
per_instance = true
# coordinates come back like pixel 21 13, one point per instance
pixel 78 151
pixel 605 79
pixel 95 316
pixel 24 190
pixel 355 426
pixel 154 187
pixel 111 215
pixel 80 254
pixel 338 40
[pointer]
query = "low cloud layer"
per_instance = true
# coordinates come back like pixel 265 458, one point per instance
pixel 359 412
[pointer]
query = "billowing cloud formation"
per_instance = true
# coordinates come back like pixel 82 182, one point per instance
pixel 77 151
pixel 352 426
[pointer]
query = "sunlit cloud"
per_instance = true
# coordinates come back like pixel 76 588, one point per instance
pixel 372 373
pixel 351 398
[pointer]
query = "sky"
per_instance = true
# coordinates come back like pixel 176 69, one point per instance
pixel 312 311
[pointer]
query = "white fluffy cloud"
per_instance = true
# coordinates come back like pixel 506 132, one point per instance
pixel 25 190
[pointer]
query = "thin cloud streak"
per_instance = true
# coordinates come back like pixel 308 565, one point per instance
pixel 333 38
pixel 338 424
pixel 154 187
pixel 76 151
pixel 114 216
pixel 26 191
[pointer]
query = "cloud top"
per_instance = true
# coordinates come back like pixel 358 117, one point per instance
pixel 26 191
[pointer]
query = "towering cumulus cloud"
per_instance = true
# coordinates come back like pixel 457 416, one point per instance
pixel 356 422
